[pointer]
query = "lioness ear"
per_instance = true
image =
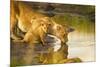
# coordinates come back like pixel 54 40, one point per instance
pixel 70 29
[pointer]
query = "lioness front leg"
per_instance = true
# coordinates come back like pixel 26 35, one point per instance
pixel 13 30
pixel 13 22
pixel 42 37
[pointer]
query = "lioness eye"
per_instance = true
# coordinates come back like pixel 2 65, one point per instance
pixel 42 24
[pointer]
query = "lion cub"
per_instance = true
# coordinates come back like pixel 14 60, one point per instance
pixel 38 31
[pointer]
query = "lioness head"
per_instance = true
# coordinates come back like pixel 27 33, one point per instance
pixel 62 32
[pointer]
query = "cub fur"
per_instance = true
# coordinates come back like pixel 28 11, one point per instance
pixel 38 31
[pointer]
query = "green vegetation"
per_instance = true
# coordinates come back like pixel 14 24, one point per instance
pixel 79 22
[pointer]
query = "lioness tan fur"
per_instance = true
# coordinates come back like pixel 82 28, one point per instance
pixel 21 15
pixel 61 32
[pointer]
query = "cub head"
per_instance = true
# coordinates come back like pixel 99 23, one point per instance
pixel 44 23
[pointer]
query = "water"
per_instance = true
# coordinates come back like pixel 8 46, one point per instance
pixel 82 41
pixel 82 45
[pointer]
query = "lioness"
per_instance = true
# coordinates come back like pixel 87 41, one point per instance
pixel 21 15
pixel 61 31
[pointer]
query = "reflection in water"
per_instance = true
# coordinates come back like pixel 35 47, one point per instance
pixel 82 41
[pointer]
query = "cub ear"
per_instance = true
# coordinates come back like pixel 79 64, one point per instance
pixel 33 19
pixel 70 29
pixel 46 17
